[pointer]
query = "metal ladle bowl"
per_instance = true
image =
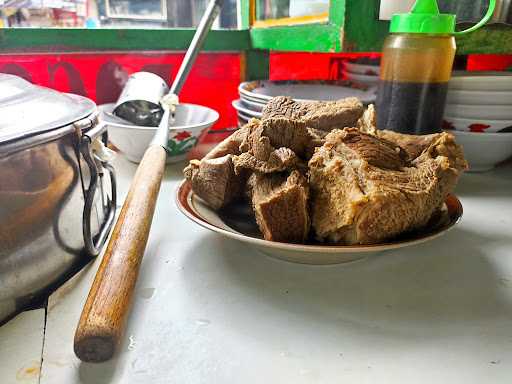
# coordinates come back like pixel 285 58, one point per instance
pixel 141 100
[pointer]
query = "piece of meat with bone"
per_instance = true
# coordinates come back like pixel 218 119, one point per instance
pixel 368 121
pixel 280 204
pixel 413 145
pixel 323 115
pixel 364 191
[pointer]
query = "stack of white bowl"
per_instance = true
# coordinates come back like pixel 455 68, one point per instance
pixel 254 95
pixel 479 113
pixel 362 71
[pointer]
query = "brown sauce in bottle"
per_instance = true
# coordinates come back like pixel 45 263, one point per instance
pixel 413 108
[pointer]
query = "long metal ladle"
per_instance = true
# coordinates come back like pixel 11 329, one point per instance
pixel 103 318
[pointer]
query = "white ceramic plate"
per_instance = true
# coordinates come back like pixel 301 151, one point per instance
pixel 484 151
pixel 237 104
pixel 190 121
pixel 477 125
pixel 457 96
pixel 371 81
pixel 264 90
pixel 481 112
pixel 362 69
pixel 481 81
pixel 237 222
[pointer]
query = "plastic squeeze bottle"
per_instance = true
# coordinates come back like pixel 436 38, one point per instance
pixel 416 66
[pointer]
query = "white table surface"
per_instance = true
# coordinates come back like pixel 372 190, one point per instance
pixel 212 310
pixel 21 347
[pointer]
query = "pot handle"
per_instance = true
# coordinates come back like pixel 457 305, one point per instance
pixel 97 166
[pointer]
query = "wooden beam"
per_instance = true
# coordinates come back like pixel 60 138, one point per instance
pixel 255 65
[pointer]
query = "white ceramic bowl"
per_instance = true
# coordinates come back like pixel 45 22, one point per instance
pixel 246 96
pixel 457 96
pixel 481 81
pixel 362 69
pixel 190 121
pixel 484 151
pixel 482 112
pixel 252 105
pixel 477 125
pixel 368 80
pixel 238 105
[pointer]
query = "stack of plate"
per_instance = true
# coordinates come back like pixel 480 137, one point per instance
pixel 479 113
pixel 480 101
pixel 254 95
pixel 363 71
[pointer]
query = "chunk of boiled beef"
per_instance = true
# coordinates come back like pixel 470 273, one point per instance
pixel 213 178
pixel 365 190
pixel 276 133
pixel 279 160
pixel 275 145
pixel 280 204
pixel 413 145
pixel 322 115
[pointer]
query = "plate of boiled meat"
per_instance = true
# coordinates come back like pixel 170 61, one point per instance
pixel 317 183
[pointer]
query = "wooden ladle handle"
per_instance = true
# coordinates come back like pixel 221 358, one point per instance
pixel 103 318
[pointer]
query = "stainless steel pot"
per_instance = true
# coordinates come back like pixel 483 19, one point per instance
pixel 57 191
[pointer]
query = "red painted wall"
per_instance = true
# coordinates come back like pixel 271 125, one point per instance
pixel 324 66
pixel 213 81
pixel 489 62
pixel 310 66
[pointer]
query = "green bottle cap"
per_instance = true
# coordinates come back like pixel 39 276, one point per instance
pixel 425 18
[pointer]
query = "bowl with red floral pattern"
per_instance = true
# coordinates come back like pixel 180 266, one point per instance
pixel 190 122
pixel 477 125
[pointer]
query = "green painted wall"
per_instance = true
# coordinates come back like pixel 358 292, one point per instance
pixel 363 31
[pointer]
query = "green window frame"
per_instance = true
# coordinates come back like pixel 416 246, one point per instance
pixel 352 26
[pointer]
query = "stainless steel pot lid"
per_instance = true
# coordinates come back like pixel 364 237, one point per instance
pixel 27 109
